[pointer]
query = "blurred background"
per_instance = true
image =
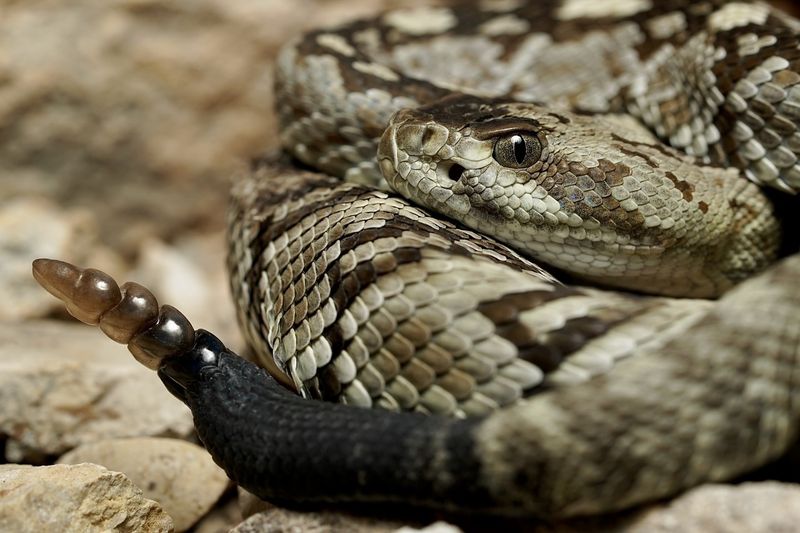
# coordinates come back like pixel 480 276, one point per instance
pixel 122 125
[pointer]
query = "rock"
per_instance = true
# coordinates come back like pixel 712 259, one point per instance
pixel 277 520
pixel 32 227
pixel 179 475
pixel 754 507
pixel 80 498
pixel 64 384
pixel 224 517
pixel 250 504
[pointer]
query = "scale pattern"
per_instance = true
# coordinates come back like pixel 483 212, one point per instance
pixel 357 296
pixel 664 130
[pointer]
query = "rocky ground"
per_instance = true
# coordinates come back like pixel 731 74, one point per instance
pixel 122 124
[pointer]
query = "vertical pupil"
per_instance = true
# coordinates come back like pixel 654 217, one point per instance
pixel 518 143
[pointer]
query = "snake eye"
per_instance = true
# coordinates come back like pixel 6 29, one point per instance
pixel 517 151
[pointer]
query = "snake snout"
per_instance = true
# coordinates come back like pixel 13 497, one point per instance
pixel 411 137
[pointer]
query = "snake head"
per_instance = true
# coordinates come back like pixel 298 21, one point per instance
pixel 594 195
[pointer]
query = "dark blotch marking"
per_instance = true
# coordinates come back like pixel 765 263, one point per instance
pixel 685 187
pixel 633 153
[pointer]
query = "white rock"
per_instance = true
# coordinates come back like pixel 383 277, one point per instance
pixel 32 227
pixel 222 518
pixel 79 498
pixel 179 475
pixel 64 384
pixel 753 507
pixel 277 520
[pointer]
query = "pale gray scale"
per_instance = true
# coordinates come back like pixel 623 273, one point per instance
pixel 600 64
pixel 416 290
pixel 438 401
pixel 496 349
pixel 474 325
pixel 314 84
pixel 649 326
pixel 390 285
pixel 359 310
pixel 406 395
pixel 554 314
pixel 435 317
pixel 478 405
pixel 502 390
pixel 453 342
pixel 414 274
pixel 323 354
pixel 387 402
pixel 386 363
pixel 482 369
pixel 525 374
pixel 399 306
pixel 769 88
pixel 356 394
pixel 445 282
pixel 456 301
pixel 358 352
pixel 372 380
pixel 383 321
pixel 305 367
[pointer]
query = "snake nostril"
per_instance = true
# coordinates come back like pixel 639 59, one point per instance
pixel 455 171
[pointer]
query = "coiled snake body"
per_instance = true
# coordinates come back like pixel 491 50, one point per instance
pixel 644 166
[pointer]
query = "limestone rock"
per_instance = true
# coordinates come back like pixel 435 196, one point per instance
pixel 224 517
pixel 179 475
pixel 277 520
pixel 250 504
pixel 64 384
pixel 763 507
pixel 79 498
pixel 754 507
pixel 32 227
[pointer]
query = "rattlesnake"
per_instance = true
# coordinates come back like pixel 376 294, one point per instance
pixel 544 398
